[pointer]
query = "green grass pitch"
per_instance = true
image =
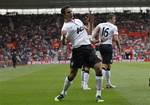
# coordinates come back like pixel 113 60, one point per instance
pixel 39 84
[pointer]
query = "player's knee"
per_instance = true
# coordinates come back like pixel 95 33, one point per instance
pixel 103 68
pixel 108 69
pixel 99 73
pixel 86 71
pixel 98 70
pixel 72 75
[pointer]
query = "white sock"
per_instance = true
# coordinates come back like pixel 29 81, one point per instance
pixel 85 78
pixel 103 72
pixel 98 85
pixel 82 78
pixel 67 84
pixel 98 93
pixel 107 76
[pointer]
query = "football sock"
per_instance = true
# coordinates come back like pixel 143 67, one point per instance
pixel 85 78
pixel 67 84
pixel 103 72
pixel 82 77
pixel 98 85
pixel 107 76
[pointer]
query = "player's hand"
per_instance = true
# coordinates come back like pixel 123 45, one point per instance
pixel 94 41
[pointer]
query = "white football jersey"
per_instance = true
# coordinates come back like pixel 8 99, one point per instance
pixel 76 33
pixel 107 30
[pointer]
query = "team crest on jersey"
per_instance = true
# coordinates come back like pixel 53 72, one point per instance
pixel 80 29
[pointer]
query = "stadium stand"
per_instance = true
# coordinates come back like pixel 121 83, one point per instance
pixel 36 37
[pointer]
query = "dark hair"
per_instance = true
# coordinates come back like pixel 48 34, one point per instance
pixel 110 16
pixel 64 8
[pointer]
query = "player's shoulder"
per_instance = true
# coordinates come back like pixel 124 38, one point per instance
pixel 66 25
pixel 76 19
pixel 112 25
pixel 102 24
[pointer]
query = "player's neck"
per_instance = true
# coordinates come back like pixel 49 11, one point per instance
pixel 111 22
pixel 68 19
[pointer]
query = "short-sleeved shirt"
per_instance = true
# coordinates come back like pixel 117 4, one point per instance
pixel 107 30
pixel 76 33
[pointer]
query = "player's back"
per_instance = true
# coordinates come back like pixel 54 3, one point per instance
pixel 107 30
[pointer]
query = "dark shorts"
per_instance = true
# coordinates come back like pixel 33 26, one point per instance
pixel 84 55
pixel 106 53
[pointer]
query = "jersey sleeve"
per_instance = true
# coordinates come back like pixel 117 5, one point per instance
pixel 65 30
pixel 78 20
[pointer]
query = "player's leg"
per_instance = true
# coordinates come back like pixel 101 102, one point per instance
pixel 82 78
pixel 67 84
pixel 14 63
pixel 85 78
pixel 75 63
pixel 108 77
pixel 95 62
pixel 106 52
pixel 103 70
pixel 99 80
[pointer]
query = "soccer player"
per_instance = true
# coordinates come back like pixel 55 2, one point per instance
pixel 85 69
pixel 82 52
pixel 107 32
pixel 14 58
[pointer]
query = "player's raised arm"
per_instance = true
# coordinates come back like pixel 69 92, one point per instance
pixel 90 20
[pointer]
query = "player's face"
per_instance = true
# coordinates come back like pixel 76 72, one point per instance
pixel 68 13
pixel 114 19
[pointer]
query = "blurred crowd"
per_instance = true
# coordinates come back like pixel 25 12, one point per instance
pixel 36 38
